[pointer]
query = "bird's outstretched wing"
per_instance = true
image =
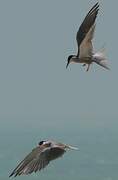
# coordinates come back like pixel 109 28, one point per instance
pixel 86 48
pixel 86 25
pixel 33 162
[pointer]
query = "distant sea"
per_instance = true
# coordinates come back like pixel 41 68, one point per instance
pixel 97 158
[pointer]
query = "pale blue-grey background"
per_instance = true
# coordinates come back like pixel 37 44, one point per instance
pixel 41 99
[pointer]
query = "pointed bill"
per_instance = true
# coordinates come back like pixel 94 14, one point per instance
pixel 67 65
pixel 72 147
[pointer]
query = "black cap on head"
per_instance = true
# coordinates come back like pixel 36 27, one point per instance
pixel 41 142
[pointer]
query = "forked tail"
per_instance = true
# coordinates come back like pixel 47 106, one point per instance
pixel 100 58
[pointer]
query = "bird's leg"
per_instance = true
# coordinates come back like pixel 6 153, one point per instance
pixel 88 67
pixel 84 64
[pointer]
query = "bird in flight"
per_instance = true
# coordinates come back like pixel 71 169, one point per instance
pixel 84 38
pixel 40 157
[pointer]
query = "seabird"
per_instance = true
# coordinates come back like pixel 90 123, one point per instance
pixel 40 157
pixel 84 38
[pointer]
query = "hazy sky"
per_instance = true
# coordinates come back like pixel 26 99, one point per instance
pixel 36 38
pixel 40 98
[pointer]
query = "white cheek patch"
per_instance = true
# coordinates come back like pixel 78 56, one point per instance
pixel 44 143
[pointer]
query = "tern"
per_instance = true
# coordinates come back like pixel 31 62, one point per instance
pixel 40 157
pixel 84 38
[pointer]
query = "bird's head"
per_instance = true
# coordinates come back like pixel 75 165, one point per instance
pixel 54 144
pixel 70 59
pixel 44 143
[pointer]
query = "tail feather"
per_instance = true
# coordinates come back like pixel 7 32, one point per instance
pixel 101 59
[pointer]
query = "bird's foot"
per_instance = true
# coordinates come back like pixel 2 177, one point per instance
pixel 88 67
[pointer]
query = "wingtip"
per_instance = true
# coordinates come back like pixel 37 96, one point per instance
pixel 95 8
pixel 96 3
pixel 11 175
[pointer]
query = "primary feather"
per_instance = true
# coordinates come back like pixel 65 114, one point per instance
pixel 40 157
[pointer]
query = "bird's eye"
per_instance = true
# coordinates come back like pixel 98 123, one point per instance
pixel 41 142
